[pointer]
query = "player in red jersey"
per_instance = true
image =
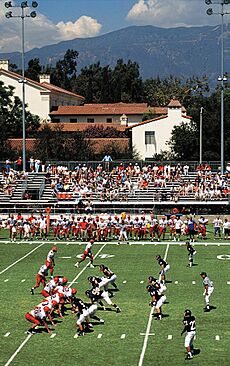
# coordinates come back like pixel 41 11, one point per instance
pixel 50 263
pixel 87 253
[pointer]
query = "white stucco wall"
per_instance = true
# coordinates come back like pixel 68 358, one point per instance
pixel 162 129
pixel 99 118
pixel 37 102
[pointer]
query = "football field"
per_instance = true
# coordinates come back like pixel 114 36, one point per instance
pixel 132 337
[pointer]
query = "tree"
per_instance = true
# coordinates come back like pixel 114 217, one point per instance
pixel 159 92
pixel 53 144
pixel 11 119
pixel 126 82
pixel 184 143
pixel 34 69
pixel 65 71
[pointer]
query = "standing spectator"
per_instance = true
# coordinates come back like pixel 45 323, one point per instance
pixel 8 166
pixel 37 165
pixel 19 164
pixel 226 229
pixel 185 169
pixel 107 159
pixel 217 225
pixel 31 164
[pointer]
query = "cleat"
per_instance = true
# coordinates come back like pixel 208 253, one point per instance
pixel 188 357
pixel 81 334
pixel 102 321
pixel 118 310
pixel 32 291
pixel 91 265
pixel 77 264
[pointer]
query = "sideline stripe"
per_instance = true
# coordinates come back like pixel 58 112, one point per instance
pixel 141 359
pixel 147 242
pixel 29 336
pixel 18 350
pixel 20 259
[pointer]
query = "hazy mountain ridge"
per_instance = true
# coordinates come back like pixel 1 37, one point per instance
pixel 159 51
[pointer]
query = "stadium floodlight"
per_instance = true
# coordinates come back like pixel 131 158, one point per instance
pixel 34 4
pixel 209 11
pixel 223 77
pixel 9 14
pixel 23 5
pixel 8 4
pixel 33 14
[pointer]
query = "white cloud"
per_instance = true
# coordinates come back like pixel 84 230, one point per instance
pixel 83 27
pixel 171 13
pixel 41 31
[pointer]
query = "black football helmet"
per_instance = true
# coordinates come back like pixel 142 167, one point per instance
pixel 187 313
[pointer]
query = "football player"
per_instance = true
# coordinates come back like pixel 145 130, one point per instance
pixel 157 299
pixel 164 267
pixel 110 277
pixel 50 263
pixel 98 294
pixel 38 316
pixel 85 312
pixel 160 286
pixel 191 253
pixel 189 327
pixel 40 278
pixel 208 290
pixel 87 253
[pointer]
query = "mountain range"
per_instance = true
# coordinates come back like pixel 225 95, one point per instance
pixel 182 52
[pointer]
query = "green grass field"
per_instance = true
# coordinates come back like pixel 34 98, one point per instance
pixel 131 337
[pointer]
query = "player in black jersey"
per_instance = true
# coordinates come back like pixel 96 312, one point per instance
pixel 85 312
pixel 191 253
pixel 189 322
pixel 96 294
pixel 110 277
pixel 164 267
pixel 157 299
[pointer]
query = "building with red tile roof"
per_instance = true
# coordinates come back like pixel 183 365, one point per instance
pixel 41 97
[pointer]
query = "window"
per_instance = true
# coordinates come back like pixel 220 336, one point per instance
pixel 73 120
pixel 56 120
pixel 90 120
pixel 150 137
pixel 109 120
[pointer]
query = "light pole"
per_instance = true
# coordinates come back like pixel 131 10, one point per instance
pixel 23 15
pixel 222 78
pixel 201 128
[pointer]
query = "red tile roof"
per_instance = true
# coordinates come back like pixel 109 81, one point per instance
pixel 108 109
pixel 43 86
pixel 174 103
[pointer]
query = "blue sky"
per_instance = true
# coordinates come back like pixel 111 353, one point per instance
pixel 60 20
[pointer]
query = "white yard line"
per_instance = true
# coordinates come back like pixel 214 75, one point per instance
pixel 141 359
pixel 20 259
pixel 18 350
pixel 29 336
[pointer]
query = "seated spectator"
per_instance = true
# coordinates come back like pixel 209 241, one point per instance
pixel 26 195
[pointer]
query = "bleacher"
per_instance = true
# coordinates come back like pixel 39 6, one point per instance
pixel 136 198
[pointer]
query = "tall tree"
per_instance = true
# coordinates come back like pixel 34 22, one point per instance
pixel 34 69
pixel 11 118
pixel 65 71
